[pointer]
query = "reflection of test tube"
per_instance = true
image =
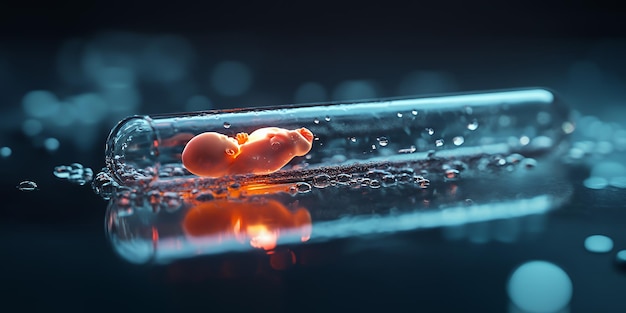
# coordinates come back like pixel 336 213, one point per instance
pixel 352 135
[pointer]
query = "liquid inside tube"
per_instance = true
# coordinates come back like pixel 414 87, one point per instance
pixel 374 166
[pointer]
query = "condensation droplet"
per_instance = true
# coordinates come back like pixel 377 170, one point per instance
pixel 430 131
pixel 383 141
pixel 226 125
pixel 439 142
pixel 27 185
pixel 458 140
pixel 473 125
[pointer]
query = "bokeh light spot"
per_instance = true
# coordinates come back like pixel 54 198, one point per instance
pixel 40 103
pixel 310 92
pixel 354 90
pixel 598 244
pixel 231 78
pixel 198 103
pixel 5 152
pixel 32 127
pixel 540 286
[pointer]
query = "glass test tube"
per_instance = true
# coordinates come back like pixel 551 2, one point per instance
pixel 350 136
pixel 375 166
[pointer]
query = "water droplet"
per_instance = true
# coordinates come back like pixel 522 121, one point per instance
pixel 327 118
pixel 540 286
pixel 514 158
pixel 226 125
pixel 5 152
pixel 383 141
pixel 430 131
pixel 27 185
pixel 399 114
pixel 303 187
pixel 452 174
pixel 439 142
pixel 458 140
pixel 353 139
pixel 232 152
pixel 598 244
pixel 405 178
pixel 473 125
pixel 468 110
pixel 316 121
pixel 469 201
pixel 414 112
pixel 321 181
pixel 103 185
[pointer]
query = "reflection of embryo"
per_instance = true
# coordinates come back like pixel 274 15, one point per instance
pixel 264 151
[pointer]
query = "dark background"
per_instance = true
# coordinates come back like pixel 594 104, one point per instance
pixel 54 255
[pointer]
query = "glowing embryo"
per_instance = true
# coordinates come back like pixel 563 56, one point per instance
pixel 264 151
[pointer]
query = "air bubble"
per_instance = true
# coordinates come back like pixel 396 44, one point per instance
pixel 383 141
pixel 375 184
pixel 430 131
pixel 421 182
pixel 321 181
pixel 439 142
pixel 316 121
pixel 303 187
pixel 399 114
pixel 414 112
pixel 473 125
pixel 452 174
pixel 388 180
pixel 353 139
pixel 327 118
pixel 458 140
pixel 226 125
pixel 343 179
pixel 598 244
pixel 27 185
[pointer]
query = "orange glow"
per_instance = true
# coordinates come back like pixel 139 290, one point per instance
pixel 259 223
pixel 264 151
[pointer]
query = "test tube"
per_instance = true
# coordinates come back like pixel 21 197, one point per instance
pixel 350 137
pixel 375 166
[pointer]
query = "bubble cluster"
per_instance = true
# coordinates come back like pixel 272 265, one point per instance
pixel 74 173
